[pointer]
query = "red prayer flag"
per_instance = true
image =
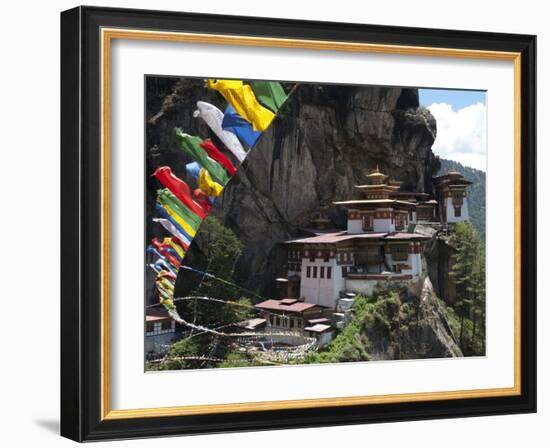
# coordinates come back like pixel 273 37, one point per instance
pixel 161 247
pixel 218 156
pixel 180 189
pixel 202 198
pixel 180 243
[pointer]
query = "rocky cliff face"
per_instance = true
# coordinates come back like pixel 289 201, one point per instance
pixel 439 261
pixel 323 142
pixel 413 327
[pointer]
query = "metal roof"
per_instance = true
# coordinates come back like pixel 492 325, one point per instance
pixel 279 305
pixel 344 236
pixel 318 328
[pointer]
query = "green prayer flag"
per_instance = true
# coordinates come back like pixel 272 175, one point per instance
pixel 270 93
pixel 190 144
pixel 166 197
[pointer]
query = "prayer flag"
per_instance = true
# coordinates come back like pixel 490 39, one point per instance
pixel 165 196
pixel 167 251
pixel 175 246
pixel 193 169
pixel 180 220
pixel 190 144
pixel 213 117
pixel 202 198
pixel 207 185
pixel 218 156
pixel 173 230
pixel 236 124
pixel 180 189
pixel 242 98
pixel 164 213
pixel 270 94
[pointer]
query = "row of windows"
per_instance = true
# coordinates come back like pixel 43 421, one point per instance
pixel 285 321
pixel 294 254
pixel 368 222
pixel 311 271
pixel 345 257
pixel 399 252
pixel 155 328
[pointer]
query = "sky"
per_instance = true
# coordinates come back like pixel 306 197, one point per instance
pixel 461 124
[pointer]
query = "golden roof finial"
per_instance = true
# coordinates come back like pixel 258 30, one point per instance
pixel 376 172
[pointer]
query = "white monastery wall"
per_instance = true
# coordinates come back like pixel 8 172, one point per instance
pixel 355 226
pixel 464 215
pixel 322 291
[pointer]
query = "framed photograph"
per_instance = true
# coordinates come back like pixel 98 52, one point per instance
pixel 275 224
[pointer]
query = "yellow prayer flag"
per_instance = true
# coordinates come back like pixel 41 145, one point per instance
pixel 174 245
pixel 242 98
pixel 207 185
pixel 180 220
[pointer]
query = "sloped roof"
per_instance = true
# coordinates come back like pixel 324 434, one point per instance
pixel 279 305
pixel 345 236
pixel 156 314
pixel 318 328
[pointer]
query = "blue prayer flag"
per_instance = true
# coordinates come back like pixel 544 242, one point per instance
pixel 193 169
pixel 236 124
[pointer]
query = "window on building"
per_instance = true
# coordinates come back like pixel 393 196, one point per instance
pixel 314 271
pixel 399 222
pixel 399 252
pixel 308 272
pixel 368 222
pixel 167 325
pixel 344 271
pixel 326 257
pixel 277 321
pixel 329 272
pixel 322 272
pixel 457 211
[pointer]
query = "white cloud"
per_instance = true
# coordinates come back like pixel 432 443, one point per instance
pixel 461 134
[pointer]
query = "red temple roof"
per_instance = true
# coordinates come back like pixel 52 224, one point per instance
pixel 156 314
pixel 344 236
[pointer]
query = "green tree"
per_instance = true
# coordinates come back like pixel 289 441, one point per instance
pixel 181 354
pixel 222 249
pixel 216 303
pixel 468 273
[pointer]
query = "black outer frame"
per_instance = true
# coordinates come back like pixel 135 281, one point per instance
pixel 81 214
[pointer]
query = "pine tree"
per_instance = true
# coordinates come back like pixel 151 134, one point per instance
pixel 468 273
